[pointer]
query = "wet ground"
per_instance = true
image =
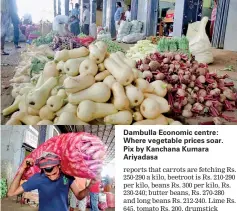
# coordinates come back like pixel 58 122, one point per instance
pixel 222 60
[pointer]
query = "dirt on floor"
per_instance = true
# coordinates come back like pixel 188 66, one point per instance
pixel 222 59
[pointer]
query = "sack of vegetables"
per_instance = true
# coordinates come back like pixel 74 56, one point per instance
pixel 81 154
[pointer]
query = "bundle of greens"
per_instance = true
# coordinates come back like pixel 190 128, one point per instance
pixel 36 67
pixel 3 187
pixel 44 39
pixel 180 45
pixel 112 46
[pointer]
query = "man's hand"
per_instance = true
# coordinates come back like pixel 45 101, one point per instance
pixel 28 163
pixel 93 181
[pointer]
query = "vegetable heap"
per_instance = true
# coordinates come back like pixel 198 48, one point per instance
pixel 3 188
pixel 33 61
pixel 112 46
pixel 173 45
pixel 64 42
pixel 192 90
pixel 47 39
pixel 154 39
pixel 142 49
pixel 81 35
pixel 88 86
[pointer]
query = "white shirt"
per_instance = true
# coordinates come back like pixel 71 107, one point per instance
pixel 58 24
pixel 86 16
pixel 61 19
pixel 128 15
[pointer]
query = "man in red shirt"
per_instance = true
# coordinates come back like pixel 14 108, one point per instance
pixel 94 195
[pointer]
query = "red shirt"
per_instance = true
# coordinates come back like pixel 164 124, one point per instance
pixel 95 188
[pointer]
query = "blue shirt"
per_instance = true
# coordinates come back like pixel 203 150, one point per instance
pixel 75 12
pixel 53 195
pixel 118 14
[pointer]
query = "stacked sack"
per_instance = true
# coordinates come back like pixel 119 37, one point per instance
pixel 130 32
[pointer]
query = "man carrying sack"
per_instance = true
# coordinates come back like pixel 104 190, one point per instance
pixel 52 184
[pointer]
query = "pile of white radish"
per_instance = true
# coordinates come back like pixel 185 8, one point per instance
pixel 89 86
pixel 22 72
pixel 141 49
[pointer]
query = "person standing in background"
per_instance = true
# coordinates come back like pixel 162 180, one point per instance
pixel 213 17
pixel 15 21
pixel 82 184
pixel 75 17
pixel 94 195
pixel 108 184
pixel 5 23
pixel 128 13
pixel 60 25
pixel 86 20
pixel 118 15
pixel 76 11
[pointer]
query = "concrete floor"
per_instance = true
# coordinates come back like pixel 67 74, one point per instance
pixel 9 204
pixel 222 59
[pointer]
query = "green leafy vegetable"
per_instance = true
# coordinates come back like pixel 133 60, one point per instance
pixel 36 66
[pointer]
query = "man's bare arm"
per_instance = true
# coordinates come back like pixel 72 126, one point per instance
pixel 15 188
pixel 81 194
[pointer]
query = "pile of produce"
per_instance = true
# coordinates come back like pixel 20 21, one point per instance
pixel 89 86
pixel 154 39
pixel 64 42
pixel 180 45
pixel 81 154
pixel 192 89
pixel 112 46
pixel 47 39
pixel 3 187
pixel 81 35
pixel 33 62
pixel 84 41
pixel 142 49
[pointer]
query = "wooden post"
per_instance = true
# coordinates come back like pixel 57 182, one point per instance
pixel 104 12
pixel 59 7
pixel 67 7
pixel 92 11
pixel 134 9
pixel 55 8
pixel 42 134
